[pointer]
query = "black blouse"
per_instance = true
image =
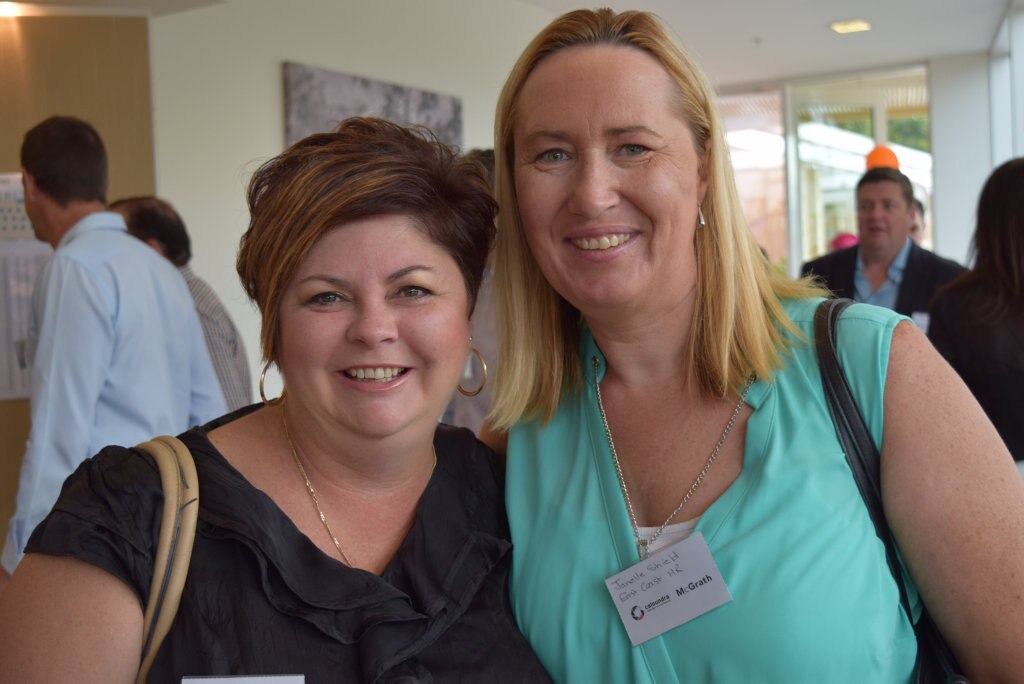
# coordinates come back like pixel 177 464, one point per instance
pixel 262 599
pixel 989 357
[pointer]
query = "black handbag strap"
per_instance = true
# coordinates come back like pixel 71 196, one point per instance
pixel 865 463
pixel 854 436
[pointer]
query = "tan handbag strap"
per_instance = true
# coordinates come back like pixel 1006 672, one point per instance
pixel 174 551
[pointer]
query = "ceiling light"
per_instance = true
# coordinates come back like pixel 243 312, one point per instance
pixel 850 26
pixel 9 9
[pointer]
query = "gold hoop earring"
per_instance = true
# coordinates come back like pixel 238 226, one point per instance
pixel 263 396
pixel 483 367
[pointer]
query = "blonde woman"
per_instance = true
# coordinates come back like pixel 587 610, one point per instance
pixel 680 507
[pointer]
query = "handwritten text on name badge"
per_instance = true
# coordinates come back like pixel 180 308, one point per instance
pixel 672 587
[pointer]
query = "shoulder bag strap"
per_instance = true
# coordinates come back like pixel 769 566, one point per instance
pixel 853 433
pixel 865 463
pixel 174 550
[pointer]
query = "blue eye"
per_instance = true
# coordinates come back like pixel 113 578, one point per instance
pixel 552 156
pixel 413 292
pixel 633 149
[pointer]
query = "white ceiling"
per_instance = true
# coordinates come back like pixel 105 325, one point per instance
pixel 754 41
pixel 116 7
pixel 742 42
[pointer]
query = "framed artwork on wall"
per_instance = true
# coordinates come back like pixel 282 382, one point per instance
pixel 317 99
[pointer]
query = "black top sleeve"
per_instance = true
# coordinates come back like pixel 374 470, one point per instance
pixel 108 515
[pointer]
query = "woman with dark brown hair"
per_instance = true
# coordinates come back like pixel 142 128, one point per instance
pixel 343 533
pixel 977 321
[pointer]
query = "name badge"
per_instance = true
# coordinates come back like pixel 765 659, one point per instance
pixel 248 679
pixel 670 588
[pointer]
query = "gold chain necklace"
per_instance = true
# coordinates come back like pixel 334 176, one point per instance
pixel 312 491
pixel 643 545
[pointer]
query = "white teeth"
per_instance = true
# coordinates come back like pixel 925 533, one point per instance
pixel 374 374
pixel 601 243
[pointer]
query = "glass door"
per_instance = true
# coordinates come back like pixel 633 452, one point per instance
pixel 831 126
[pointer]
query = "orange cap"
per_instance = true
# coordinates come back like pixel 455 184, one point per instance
pixel 882 156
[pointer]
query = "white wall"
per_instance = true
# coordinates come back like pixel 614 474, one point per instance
pixel 961 147
pixel 1015 44
pixel 219 102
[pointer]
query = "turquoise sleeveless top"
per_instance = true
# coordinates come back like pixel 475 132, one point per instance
pixel 813 599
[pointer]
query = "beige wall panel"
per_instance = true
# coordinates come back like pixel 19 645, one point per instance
pixel 95 68
pixel 14 432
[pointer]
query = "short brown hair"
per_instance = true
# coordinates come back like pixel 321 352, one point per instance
pixel 885 174
pixel 151 218
pixel 366 167
pixel 67 160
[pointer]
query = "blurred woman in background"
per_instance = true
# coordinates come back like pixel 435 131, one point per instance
pixel 977 321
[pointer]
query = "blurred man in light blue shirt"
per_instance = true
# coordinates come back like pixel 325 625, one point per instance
pixel 117 352
pixel 886 292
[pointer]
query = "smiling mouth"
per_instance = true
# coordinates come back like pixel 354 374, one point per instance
pixel 603 242
pixel 380 374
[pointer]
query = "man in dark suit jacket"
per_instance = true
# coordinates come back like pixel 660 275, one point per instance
pixel 893 271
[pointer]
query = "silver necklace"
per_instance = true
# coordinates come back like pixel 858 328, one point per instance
pixel 642 545
pixel 312 491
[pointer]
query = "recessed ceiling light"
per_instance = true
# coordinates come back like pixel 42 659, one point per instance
pixel 9 9
pixel 850 26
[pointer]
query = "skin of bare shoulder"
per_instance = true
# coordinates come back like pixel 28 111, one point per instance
pixel 64 620
pixel 955 503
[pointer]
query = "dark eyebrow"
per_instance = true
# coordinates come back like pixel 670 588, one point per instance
pixel 345 284
pixel 402 272
pixel 336 282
